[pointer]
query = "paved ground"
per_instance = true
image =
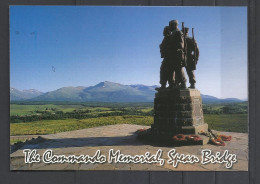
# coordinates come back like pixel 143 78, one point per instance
pixel 122 137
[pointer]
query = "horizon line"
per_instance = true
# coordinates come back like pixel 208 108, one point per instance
pixel 243 99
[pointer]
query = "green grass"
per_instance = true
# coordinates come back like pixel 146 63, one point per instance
pixel 17 109
pixel 228 122
pixel 55 126
pixel 221 122
pixel 224 122
pixel 146 109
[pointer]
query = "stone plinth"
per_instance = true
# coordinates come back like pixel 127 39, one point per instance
pixel 178 111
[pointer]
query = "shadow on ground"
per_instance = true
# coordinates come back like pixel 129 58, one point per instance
pixel 45 143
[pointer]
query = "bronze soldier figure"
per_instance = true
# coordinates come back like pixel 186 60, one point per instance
pixel 177 58
pixel 166 69
pixel 192 57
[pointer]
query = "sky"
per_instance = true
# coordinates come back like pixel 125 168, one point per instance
pixel 58 46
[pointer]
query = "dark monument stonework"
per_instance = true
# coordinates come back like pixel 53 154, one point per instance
pixel 178 111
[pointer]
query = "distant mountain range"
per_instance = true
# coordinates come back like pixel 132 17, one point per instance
pixel 24 95
pixel 102 92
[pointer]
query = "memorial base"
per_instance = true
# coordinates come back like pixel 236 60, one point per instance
pixel 177 111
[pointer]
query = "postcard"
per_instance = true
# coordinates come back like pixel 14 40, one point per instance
pixel 128 88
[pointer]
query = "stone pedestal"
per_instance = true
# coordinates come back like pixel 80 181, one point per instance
pixel 178 111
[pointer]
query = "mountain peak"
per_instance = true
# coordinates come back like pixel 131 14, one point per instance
pixel 16 94
pixel 107 83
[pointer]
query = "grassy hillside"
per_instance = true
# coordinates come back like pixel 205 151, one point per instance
pixel 230 123
pixel 58 117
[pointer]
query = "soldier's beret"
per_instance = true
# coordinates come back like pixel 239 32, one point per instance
pixel 173 22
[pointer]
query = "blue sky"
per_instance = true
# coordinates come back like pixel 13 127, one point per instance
pixel 87 45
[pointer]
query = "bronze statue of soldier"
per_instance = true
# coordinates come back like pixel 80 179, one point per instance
pixel 177 58
pixel 166 70
pixel 192 56
pixel 172 50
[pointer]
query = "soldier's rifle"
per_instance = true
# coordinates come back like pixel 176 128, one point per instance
pixel 184 39
pixel 195 47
